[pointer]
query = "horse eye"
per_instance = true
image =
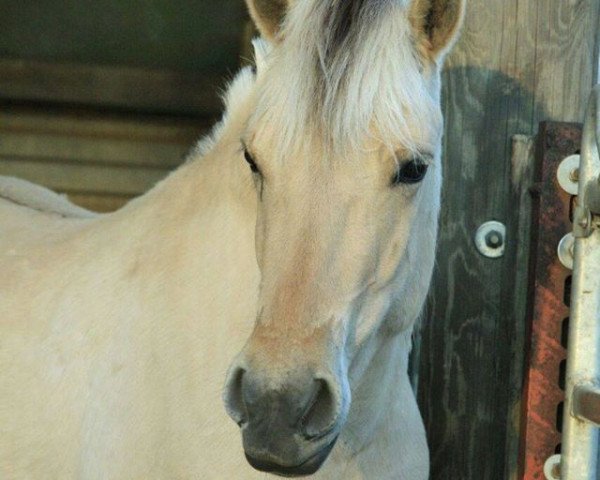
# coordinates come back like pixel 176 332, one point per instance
pixel 251 161
pixel 410 172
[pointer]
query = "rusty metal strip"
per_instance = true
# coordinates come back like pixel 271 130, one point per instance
pixel 543 393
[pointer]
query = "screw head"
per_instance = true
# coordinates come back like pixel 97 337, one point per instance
pixel 574 175
pixel 494 239
pixel 568 174
pixel 552 468
pixel 565 251
pixel 490 239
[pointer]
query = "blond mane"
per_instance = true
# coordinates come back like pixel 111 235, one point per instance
pixel 349 79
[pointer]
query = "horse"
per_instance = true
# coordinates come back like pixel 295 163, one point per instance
pixel 276 277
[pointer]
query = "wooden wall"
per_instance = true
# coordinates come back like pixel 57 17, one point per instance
pixel 519 62
pixel 101 100
pixel 99 161
pixel 157 35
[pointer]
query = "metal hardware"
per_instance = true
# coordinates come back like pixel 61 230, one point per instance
pixel 566 250
pixel 568 174
pixel 542 395
pixel 586 403
pixel 580 436
pixel 587 210
pixel 490 239
pixel 552 468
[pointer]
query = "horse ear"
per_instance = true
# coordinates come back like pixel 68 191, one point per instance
pixel 437 24
pixel 268 16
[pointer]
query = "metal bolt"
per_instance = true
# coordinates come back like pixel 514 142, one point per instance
pixel 556 471
pixel 490 239
pixel 552 468
pixel 494 239
pixel 566 251
pixel 568 174
pixel 574 175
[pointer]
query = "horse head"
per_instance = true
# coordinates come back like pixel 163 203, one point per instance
pixel 344 148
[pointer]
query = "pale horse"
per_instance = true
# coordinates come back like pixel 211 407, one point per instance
pixel 301 233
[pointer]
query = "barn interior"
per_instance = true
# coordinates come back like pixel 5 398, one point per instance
pixel 100 100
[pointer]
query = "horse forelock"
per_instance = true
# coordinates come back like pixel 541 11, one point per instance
pixel 344 73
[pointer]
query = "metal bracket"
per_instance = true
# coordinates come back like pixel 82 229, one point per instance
pixel 586 215
pixel 580 433
pixel 543 396
pixel 586 403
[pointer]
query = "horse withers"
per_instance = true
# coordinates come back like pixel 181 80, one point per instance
pixel 293 250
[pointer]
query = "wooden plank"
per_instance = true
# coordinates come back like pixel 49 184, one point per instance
pixel 161 34
pixel 102 160
pixel 63 148
pixel 522 176
pixel 518 62
pixel 76 123
pixel 117 180
pixel 124 88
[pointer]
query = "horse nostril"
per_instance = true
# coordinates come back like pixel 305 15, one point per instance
pixel 263 409
pixel 321 414
pixel 234 397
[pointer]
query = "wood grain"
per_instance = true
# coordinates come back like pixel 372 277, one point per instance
pixel 520 250
pixel 109 87
pixel 105 151
pixel 518 62
pixel 159 34
pixel 77 177
pixel 76 123
pixel 101 160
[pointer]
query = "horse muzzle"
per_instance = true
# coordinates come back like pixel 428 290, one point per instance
pixel 307 467
pixel 289 425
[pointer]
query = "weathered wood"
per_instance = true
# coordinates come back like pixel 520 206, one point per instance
pixel 183 35
pixel 102 160
pixel 518 62
pixel 522 176
pixel 123 88
pixel 104 151
pixel 75 123
pixel 76 177
pixel 174 57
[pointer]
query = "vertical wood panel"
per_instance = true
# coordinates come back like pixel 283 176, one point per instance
pixel 518 62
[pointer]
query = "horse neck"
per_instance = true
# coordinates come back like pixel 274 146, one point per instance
pixel 384 421
pixel 383 383
pixel 214 187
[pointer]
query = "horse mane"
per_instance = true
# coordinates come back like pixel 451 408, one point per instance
pixel 351 71
pixel 234 96
pixel 26 194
